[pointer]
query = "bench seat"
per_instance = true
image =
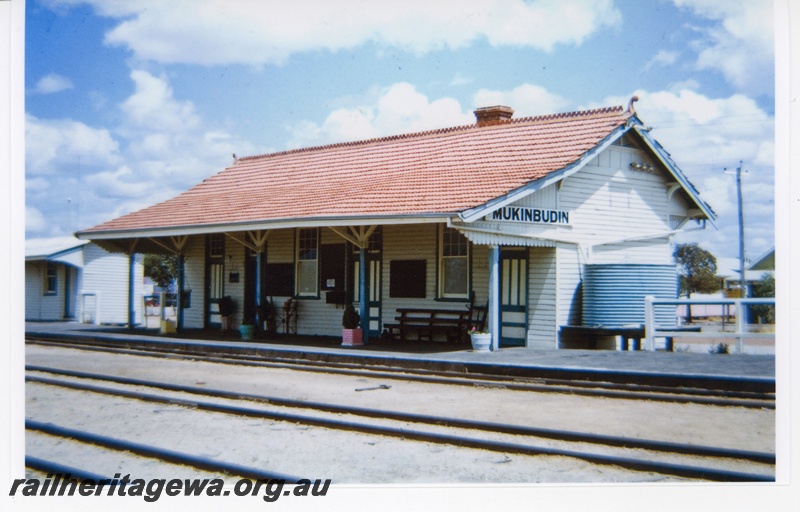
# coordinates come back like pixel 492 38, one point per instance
pixel 429 323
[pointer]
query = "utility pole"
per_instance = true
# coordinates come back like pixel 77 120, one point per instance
pixel 742 310
pixel 743 285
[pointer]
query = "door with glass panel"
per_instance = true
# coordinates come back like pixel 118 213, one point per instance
pixel 513 297
pixel 215 282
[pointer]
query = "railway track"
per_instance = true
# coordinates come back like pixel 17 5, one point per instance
pixel 594 388
pixel 675 460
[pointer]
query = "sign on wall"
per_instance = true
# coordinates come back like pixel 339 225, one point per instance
pixel 529 215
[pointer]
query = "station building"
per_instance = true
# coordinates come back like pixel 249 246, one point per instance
pixel 509 212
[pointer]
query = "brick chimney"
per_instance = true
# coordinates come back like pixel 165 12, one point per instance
pixel 488 115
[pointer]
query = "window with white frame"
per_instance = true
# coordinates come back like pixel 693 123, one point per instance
pixel 307 262
pixel 51 279
pixel 453 264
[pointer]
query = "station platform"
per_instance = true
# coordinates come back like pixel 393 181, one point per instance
pixel 740 372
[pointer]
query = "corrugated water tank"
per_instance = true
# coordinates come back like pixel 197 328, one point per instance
pixel 613 294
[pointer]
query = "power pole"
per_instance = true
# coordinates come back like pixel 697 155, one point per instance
pixel 743 285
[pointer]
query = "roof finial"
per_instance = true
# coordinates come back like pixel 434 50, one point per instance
pixel 634 99
pixel 235 160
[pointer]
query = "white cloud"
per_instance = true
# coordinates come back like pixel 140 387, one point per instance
pixel 51 145
pixel 160 147
pixel 741 45
pixel 397 109
pixel 119 183
pixel 154 108
pixel 401 108
pixel 663 58
pixel 526 100
pixel 705 130
pixel 52 83
pixel 35 221
pixel 706 136
pixel 250 32
pixel 460 79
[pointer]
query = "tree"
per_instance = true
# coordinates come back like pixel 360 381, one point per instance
pixel 764 288
pixel 698 271
pixel 163 270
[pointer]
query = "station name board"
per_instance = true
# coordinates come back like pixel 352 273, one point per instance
pixel 529 215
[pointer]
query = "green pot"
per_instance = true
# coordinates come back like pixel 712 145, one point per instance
pixel 247 331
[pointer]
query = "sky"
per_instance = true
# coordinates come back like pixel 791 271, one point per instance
pixel 130 103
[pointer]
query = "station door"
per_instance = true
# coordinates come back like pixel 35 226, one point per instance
pixel 373 291
pixel 513 297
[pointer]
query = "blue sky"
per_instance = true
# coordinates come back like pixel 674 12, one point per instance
pixel 130 103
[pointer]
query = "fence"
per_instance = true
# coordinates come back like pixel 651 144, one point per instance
pixel 160 306
pixel 653 331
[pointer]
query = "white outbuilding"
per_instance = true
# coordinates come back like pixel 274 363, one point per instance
pixel 75 280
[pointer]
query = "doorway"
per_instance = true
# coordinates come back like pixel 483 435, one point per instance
pixel 69 292
pixel 513 297
pixel 373 290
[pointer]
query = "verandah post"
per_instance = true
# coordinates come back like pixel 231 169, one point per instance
pixel 494 295
pixel 258 322
pixel 180 292
pixel 131 284
pixel 363 292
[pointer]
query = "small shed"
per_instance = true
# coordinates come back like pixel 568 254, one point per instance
pixel 67 279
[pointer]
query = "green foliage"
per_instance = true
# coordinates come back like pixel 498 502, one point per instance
pixel 765 287
pixel 722 348
pixel 697 268
pixel 761 289
pixel 163 270
pixel 226 306
pixel 350 319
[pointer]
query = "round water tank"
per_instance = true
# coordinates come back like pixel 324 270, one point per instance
pixel 613 294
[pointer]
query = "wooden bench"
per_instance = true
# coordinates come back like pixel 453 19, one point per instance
pixel 428 323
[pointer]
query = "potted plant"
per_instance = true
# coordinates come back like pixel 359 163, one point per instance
pixel 352 334
pixel 226 310
pixel 247 330
pixel 481 340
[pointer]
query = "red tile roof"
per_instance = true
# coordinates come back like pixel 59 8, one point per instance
pixel 437 172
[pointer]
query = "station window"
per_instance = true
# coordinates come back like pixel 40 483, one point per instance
pixel 51 280
pixel 453 265
pixel 216 245
pixel 307 262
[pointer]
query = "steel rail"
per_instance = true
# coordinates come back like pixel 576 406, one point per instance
pixel 604 389
pixel 55 468
pixel 636 464
pixel 149 451
pixel 563 435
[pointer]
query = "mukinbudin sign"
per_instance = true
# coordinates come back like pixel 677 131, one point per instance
pixel 529 215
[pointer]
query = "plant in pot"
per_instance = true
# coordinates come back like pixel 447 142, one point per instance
pixel 352 334
pixel 481 340
pixel 247 329
pixel 226 309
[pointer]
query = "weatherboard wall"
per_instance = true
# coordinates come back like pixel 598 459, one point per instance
pixel 611 203
pixel 41 306
pixel 542 297
pixel 106 275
